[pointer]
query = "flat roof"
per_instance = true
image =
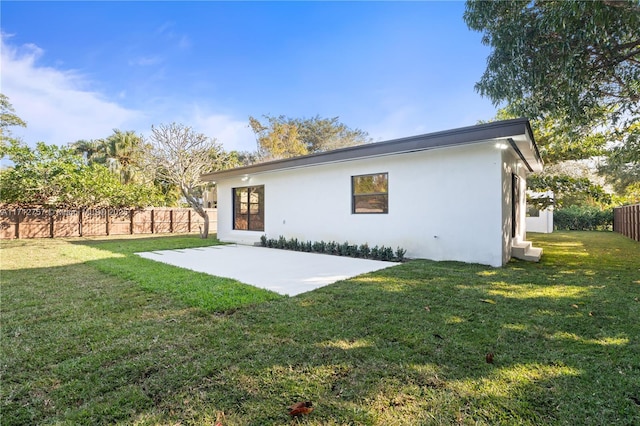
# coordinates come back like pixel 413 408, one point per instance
pixel 516 132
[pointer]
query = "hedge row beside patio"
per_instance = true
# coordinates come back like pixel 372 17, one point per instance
pixel 345 249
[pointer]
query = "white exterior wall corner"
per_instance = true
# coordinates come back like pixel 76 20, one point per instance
pixel 444 204
pixel 511 164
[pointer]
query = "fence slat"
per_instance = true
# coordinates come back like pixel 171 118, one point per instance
pixel 44 223
pixel 626 221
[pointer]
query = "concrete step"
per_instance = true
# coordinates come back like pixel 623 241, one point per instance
pixel 525 251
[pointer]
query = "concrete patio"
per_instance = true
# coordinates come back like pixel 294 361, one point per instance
pixel 282 271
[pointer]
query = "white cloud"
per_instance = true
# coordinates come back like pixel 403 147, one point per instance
pixel 233 134
pixel 58 105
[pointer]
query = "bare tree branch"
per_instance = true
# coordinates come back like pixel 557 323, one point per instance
pixel 181 156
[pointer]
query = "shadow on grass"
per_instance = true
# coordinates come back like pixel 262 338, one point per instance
pixel 196 289
pixel 405 345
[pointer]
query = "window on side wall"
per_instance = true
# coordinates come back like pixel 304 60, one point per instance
pixel 248 208
pixel 370 193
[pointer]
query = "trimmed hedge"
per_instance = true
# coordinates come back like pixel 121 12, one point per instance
pixel 345 249
pixel 577 218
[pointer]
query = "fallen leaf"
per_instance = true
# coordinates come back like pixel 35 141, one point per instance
pixel 300 408
pixel 489 358
pixel 492 302
pixel 428 309
pixel 436 335
pixel 575 306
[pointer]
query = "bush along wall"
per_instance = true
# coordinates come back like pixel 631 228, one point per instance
pixel 362 251
pixel 582 218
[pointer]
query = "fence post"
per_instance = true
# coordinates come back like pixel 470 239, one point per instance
pixel 130 221
pixel 189 220
pixel 51 231
pixel 17 223
pixel 152 221
pixel 80 221
pixel 106 221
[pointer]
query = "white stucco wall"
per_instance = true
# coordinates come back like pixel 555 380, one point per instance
pixel 511 164
pixel 542 223
pixel 444 204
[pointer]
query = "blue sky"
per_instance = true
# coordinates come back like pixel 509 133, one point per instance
pixel 78 70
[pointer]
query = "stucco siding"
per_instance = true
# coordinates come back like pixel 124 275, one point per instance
pixel 510 166
pixel 444 204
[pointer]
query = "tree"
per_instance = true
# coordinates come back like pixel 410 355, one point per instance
pixel 573 59
pixel 284 137
pixel 622 167
pixel 567 191
pixel 180 156
pixel 279 139
pixel 121 153
pixel 557 140
pixel 8 118
pixel 54 176
pixel 324 134
pixel 572 65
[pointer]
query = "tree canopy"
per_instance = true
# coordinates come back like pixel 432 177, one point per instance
pixel 8 118
pixel 120 152
pixel 53 176
pixel 574 59
pixel 283 137
pixel 179 155
pixel 573 67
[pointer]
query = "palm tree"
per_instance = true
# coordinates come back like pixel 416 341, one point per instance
pixel 120 152
pixel 90 150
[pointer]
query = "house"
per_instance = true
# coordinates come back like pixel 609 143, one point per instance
pixel 451 195
pixel 539 220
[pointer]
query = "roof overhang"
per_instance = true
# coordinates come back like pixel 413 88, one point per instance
pixel 517 133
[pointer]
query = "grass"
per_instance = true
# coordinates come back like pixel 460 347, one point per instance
pixel 92 334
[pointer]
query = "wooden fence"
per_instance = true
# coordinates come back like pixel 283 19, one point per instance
pixel 54 223
pixel 626 220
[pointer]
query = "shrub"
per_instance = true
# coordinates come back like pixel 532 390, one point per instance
pixel 308 247
pixel 319 247
pixel 332 247
pixel 582 218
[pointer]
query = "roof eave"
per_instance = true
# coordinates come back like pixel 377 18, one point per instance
pixel 517 129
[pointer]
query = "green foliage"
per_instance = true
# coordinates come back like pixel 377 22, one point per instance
pixel 278 139
pixel 334 248
pixel 56 177
pixel 631 195
pixel 8 118
pixel 284 137
pixel 622 167
pixel 573 67
pixel 560 141
pixel 567 191
pixel 582 218
pixel 573 59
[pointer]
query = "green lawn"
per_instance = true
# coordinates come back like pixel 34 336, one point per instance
pixel 92 334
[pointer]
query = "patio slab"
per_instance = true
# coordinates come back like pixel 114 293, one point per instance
pixel 283 271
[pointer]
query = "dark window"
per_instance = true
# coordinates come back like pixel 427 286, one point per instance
pixel 370 193
pixel 248 208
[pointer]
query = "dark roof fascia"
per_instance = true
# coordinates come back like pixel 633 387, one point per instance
pixel 517 150
pixel 454 137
